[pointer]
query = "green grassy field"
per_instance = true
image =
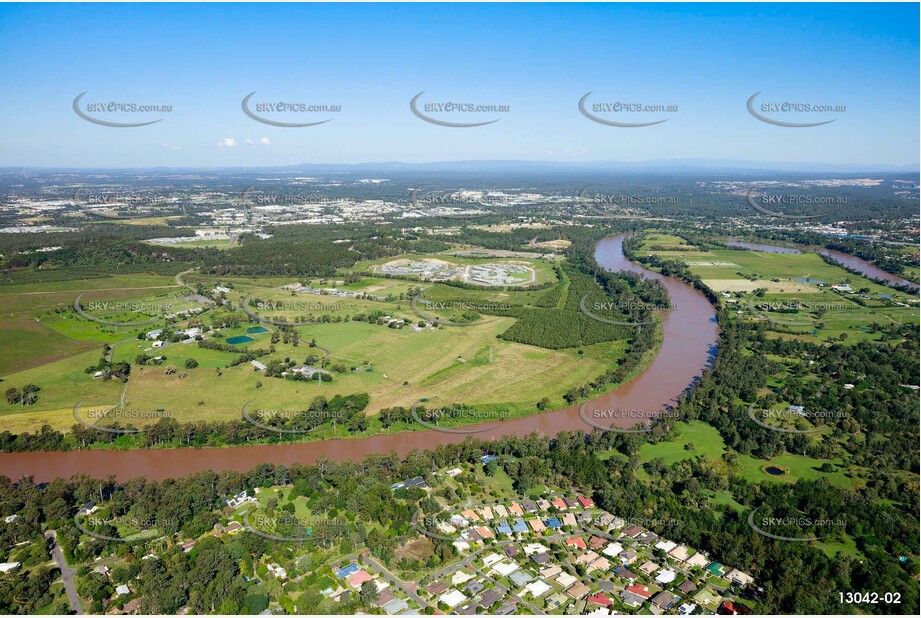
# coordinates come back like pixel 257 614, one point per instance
pixel 725 498
pixel 704 440
pixel 788 267
pixel 848 548
pixel 668 241
pixel 63 383
pixel 735 271
pixel 824 314
pixel 708 444
pixel 796 467
pixel 38 325
pixel 445 365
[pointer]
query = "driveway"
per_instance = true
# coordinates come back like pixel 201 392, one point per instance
pixel 67 573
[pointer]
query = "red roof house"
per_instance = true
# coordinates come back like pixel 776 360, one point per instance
pixel 359 578
pixel 600 599
pixel 728 608
pixel 638 590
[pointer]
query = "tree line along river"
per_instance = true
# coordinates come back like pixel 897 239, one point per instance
pixel 689 341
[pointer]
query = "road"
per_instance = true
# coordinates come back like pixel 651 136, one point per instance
pixel 67 573
pixel 506 591
pixel 409 589
pixel 468 562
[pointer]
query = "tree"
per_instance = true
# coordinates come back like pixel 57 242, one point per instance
pixel 368 593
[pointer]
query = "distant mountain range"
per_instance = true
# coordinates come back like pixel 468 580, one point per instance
pixel 668 166
pixel 664 165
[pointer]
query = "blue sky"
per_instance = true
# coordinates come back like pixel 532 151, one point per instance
pixel 537 59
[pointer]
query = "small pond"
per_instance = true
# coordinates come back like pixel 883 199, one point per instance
pixel 775 471
pixel 239 339
pixel 257 330
pixel 812 281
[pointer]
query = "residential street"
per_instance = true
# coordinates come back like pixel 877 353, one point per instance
pixel 67 574
pixel 409 589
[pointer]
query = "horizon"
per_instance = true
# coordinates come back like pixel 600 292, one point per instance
pixel 690 165
pixel 530 63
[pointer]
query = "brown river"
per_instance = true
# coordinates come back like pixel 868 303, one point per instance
pixel 689 341
pixel 845 259
pixel 866 268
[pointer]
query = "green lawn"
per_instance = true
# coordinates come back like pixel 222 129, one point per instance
pixel 847 548
pixel 705 440
pixel 797 467
pixel 725 498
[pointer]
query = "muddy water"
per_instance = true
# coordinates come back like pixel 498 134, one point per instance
pixel 690 336
pixel 853 262
pixel 865 268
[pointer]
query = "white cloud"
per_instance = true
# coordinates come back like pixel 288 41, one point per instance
pixel 227 142
pixel 264 141
pixel 169 146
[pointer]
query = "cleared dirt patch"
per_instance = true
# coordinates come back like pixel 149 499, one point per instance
pixel 417 549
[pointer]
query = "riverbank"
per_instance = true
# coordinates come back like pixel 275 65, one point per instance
pixel 689 336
